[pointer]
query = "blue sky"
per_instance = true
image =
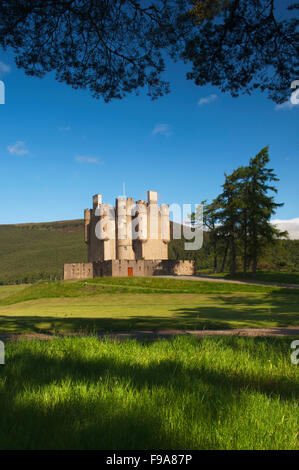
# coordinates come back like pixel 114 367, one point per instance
pixel 60 146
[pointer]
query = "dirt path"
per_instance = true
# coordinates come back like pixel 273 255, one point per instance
pixel 220 279
pixel 141 335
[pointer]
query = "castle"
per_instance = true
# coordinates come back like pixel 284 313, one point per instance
pixel 130 239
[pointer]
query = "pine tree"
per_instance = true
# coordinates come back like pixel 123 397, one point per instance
pixel 246 210
pixel 229 215
pixel 209 219
pixel 260 206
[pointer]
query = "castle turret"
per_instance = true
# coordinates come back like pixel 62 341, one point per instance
pixel 153 216
pixel 128 231
pixel 152 244
pixel 87 225
pixel 165 223
pixel 141 221
pixel 127 240
pixel 124 247
pixel 96 201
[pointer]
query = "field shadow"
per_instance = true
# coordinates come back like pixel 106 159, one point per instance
pixel 185 320
pixel 281 308
pixel 276 308
pixel 158 373
pixel 101 421
pixel 228 313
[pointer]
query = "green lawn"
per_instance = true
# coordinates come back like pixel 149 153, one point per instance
pixel 108 304
pixel 263 276
pixel 212 393
pixel 6 291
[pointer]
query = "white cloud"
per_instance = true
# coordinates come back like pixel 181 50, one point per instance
pixel 4 68
pixel 291 225
pixel 286 105
pixel 162 129
pixel 18 148
pixel 85 159
pixel 66 128
pixel 207 100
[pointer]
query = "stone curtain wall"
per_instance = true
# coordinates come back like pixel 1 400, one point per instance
pixel 121 268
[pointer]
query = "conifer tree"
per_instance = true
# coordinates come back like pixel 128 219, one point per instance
pixel 209 219
pixel 260 205
pixel 229 215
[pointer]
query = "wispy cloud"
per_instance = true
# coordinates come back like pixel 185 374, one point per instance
pixel 207 100
pixel 65 129
pixel 4 68
pixel 162 129
pixel 286 105
pixel 85 159
pixel 18 148
pixel 291 225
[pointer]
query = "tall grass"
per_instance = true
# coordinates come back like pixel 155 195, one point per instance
pixel 213 393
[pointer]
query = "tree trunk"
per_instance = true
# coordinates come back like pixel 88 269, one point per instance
pixel 233 257
pixel 215 257
pixel 245 257
pixel 224 257
pixel 254 266
pixel 245 248
pixel 254 255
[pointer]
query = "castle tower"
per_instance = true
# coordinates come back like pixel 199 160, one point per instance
pixel 99 224
pixel 87 217
pixel 165 223
pixel 128 231
pixel 105 232
pixel 127 240
pixel 153 246
pixel 90 221
pixel 124 245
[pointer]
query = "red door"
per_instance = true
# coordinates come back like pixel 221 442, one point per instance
pixel 130 271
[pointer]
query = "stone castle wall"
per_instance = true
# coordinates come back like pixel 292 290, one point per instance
pixel 130 239
pixel 125 268
pixel 78 271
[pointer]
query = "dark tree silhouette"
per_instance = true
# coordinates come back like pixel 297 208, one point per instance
pixel 253 44
pixel 114 47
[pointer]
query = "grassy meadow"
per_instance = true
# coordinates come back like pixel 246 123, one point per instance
pixel 184 393
pixel 122 304
pixel 79 392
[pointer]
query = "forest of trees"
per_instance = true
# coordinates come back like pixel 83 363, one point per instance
pixel 239 235
pixel 282 256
